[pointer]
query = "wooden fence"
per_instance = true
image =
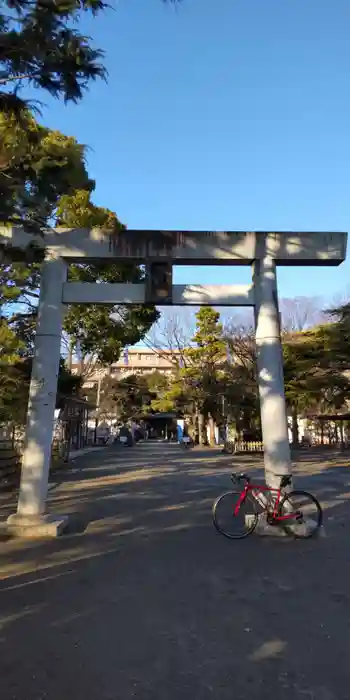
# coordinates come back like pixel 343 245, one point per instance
pixel 248 447
pixel 10 465
pixel 243 447
pixel 11 460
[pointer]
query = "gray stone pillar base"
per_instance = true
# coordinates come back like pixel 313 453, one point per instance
pixel 264 529
pixel 36 525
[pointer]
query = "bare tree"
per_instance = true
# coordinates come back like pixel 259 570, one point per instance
pixel 240 341
pixel 338 301
pixel 300 313
pixel 171 335
pixel 242 319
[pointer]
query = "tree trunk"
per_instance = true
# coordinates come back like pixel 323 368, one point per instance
pixel 201 428
pixel 295 427
pixel 70 356
pixel 196 424
pixel 211 431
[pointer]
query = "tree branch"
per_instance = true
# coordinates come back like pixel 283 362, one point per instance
pixel 12 78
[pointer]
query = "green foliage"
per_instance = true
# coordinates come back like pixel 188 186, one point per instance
pixel 208 385
pixel 12 394
pixel 37 167
pixel 132 395
pixel 42 177
pixel 314 369
pixel 11 385
pixel 68 384
pixel 336 338
pixel 208 344
pixel 174 398
pixel 166 393
pixel 241 390
pixel 102 336
pixel 42 48
pixel 99 334
pixel 41 45
pixel 19 293
pixel 10 345
pixel 341 313
pixel 197 386
pixel 15 372
pixel 204 362
pixel 77 210
pixel 314 364
pixel 91 326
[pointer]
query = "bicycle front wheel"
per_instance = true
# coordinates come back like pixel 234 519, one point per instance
pixel 306 514
pixel 235 526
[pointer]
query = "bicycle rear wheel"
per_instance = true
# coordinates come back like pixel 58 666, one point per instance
pixel 308 513
pixel 235 527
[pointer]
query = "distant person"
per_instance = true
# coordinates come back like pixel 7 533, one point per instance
pixel 179 432
pixel 103 432
pixel 125 432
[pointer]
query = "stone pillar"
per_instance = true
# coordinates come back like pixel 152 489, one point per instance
pixel 30 518
pixel 270 373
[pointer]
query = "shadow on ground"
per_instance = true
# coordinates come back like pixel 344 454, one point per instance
pixel 148 601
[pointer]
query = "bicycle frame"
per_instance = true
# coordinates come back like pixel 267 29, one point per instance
pixel 261 488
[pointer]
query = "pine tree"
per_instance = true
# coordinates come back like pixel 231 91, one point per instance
pixel 197 386
pixel 37 167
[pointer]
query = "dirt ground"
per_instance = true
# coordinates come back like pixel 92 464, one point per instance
pixel 144 599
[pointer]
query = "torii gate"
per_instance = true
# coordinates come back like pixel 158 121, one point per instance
pixel 159 250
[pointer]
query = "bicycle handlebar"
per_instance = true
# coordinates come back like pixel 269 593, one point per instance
pixel 240 477
pixel 285 480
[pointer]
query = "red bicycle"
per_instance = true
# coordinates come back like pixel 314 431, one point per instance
pixel 236 513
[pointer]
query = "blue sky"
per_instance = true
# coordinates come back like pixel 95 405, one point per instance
pixel 224 114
